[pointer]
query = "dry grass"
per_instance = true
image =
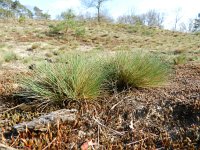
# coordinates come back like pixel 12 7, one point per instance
pixel 109 35
pixel 104 37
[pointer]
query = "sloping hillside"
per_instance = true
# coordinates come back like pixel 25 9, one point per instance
pixel 32 39
pixel 108 36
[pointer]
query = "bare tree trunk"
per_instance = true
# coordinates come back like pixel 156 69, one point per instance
pixel 98 15
pixel 175 24
pixel 98 11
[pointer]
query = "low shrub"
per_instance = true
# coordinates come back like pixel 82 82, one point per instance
pixel 35 46
pixel 64 26
pixel 57 29
pixel 22 19
pixel 80 31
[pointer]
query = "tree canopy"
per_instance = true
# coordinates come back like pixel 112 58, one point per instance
pixel 97 4
pixel 9 8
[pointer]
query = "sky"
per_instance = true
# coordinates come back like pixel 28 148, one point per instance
pixel 187 8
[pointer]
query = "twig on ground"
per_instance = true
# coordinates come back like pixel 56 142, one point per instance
pixel 137 141
pixel 49 144
pixel 98 135
pixel 42 108
pixel 43 103
pixel 73 144
pixel 15 141
pixel 97 121
pixel 160 148
pixel 116 104
pixel 5 147
pixel 9 109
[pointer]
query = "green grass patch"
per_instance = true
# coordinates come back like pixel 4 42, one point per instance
pixel 88 76
pixel 80 78
pixel 139 69
pixel 2 46
pixel 35 46
pixel 9 56
pixel 66 26
pixel 1 61
pixel 181 59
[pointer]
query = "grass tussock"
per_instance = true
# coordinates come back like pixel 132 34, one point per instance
pixel 86 77
pixel 1 61
pixel 139 69
pixel 35 46
pixel 80 78
pixel 9 56
pixel 181 59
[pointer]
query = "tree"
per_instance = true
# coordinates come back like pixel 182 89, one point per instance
pixel 39 14
pixel 6 13
pixel 5 9
pixel 106 17
pixel 8 8
pixel 153 18
pixel 196 24
pixel 15 4
pixel 186 26
pixel 177 17
pixel 6 4
pixel 98 4
pixel 46 16
pixel 67 15
pixel 84 16
pixel 131 18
